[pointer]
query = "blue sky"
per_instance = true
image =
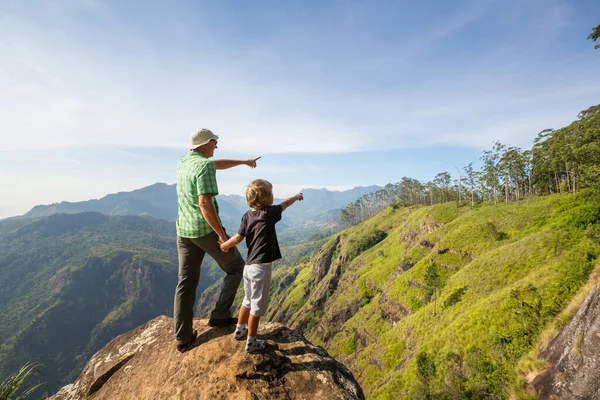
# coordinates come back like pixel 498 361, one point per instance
pixel 101 96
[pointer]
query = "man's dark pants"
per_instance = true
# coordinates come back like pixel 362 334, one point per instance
pixel 191 252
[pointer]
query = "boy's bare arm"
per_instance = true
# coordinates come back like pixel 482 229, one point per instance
pixel 231 242
pixel 225 164
pixel 288 202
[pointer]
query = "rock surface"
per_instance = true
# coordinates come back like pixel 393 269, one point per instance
pixel 144 364
pixel 574 356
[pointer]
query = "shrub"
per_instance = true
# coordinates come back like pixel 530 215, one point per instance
pixel 348 343
pixel 472 374
pixel 583 216
pixel 393 353
pixel 365 242
pixel 493 230
pixel 396 205
pixel 593 232
pixel 455 297
pixel 425 375
pixel 525 307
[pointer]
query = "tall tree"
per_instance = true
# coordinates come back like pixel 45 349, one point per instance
pixel 459 182
pixel 471 181
pixel 595 35
pixel 443 180
pixel 492 173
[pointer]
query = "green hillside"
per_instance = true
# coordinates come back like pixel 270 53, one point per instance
pixel 443 301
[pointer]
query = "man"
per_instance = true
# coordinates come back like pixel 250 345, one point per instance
pixel 199 231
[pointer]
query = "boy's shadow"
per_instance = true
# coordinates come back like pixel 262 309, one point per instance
pixel 276 362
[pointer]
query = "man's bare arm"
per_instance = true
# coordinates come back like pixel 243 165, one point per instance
pixel 225 164
pixel 288 202
pixel 233 241
pixel 210 214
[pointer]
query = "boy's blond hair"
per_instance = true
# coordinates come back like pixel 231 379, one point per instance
pixel 259 193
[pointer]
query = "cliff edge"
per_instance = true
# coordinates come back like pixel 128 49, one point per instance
pixel 144 364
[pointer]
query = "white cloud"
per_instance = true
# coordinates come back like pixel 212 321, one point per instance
pixel 56 92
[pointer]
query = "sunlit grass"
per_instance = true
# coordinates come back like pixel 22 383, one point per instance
pixel 18 386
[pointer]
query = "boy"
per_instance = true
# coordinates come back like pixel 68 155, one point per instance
pixel 258 227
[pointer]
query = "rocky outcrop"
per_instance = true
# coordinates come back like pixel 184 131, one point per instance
pixel 323 262
pixel 144 364
pixel 574 357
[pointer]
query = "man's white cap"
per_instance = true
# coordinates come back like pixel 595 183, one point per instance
pixel 200 137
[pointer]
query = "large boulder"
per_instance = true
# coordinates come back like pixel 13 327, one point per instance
pixel 144 364
pixel 574 357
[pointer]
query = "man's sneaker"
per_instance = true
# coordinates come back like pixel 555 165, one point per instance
pixel 240 332
pixel 255 346
pixel 182 348
pixel 221 322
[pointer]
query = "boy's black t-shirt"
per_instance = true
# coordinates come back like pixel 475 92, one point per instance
pixel 258 227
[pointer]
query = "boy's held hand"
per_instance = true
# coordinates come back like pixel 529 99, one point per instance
pixel 221 241
pixel 300 196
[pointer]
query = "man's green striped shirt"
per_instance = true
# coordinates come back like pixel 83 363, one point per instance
pixel 196 175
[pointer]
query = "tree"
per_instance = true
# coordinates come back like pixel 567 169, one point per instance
pixel 514 167
pixel 490 175
pixel 595 35
pixel 442 180
pixel 459 184
pixel 433 283
pixel 471 181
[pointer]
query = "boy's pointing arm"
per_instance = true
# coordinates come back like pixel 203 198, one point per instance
pixel 288 202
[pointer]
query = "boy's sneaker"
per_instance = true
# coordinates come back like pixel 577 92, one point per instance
pixel 240 332
pixel 255 346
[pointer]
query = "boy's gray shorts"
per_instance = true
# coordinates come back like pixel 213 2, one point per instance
pixel 257 281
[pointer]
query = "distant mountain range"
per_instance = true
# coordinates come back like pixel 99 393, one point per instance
pixel 319 212
pixel 160 201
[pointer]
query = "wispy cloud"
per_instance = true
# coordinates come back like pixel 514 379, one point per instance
pixel 55 95
pixel 53 160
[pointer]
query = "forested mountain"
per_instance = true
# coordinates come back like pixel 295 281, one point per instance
pixel 70 283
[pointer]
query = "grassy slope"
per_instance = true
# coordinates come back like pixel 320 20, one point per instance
pixel 506 273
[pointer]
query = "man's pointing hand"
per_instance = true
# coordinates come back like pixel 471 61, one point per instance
pixel 251 162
